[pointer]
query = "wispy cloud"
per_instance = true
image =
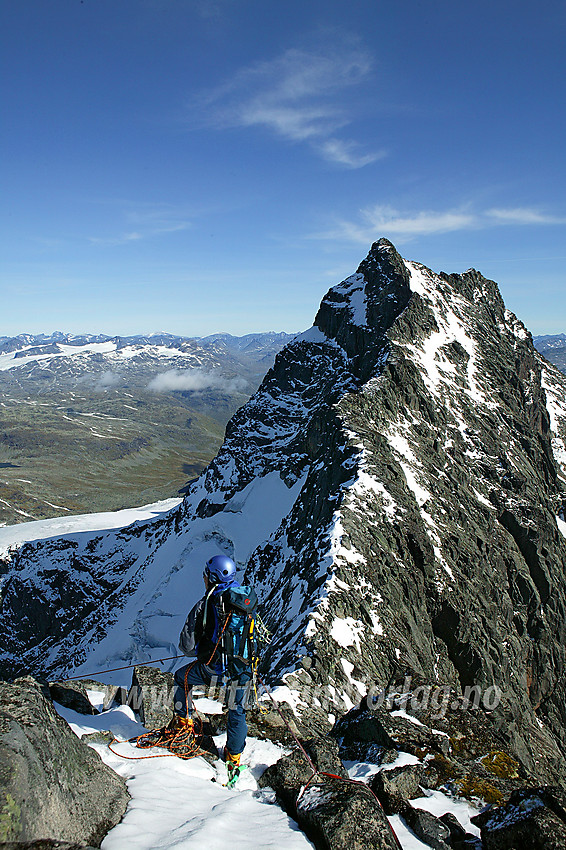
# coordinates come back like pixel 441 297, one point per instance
pixel 523 215
pixel 381 220
pixel 149 220
pixel 300 96
pixel 195 380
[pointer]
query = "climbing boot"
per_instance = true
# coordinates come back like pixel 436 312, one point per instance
pixel 233 767
pixel 178 724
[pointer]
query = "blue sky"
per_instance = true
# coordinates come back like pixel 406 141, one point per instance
pixel 196 166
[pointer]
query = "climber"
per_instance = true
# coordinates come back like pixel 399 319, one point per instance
pixel 215 635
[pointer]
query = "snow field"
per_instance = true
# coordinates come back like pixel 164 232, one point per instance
pixel 43 529
pixel 182 804
pixel 436 368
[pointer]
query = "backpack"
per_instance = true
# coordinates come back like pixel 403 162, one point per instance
pixel 239 642
pixel 229 643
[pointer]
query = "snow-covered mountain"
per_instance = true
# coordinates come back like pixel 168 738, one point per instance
pixel 68 355
pixel 395 490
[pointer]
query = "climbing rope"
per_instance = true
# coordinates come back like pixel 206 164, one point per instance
pixel 125 667
pixel 316 772
pixel 181 742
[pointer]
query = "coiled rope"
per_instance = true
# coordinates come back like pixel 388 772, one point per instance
pixel 182 743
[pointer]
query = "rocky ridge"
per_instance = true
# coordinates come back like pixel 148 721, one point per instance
pixel 395 490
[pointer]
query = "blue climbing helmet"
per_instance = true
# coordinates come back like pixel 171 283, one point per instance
pixel 220 568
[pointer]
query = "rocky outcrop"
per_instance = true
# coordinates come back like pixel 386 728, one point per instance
pixel 153 691
pixel 335 813
pixel 532 819
pixel 71 695
pixel 52 786
pixel 461 753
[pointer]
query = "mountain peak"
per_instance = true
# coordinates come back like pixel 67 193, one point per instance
pixel 395 489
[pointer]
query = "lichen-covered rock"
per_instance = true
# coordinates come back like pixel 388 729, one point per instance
pixel 532 819
pixel 52 786
pixel 335 813
pixel 339 816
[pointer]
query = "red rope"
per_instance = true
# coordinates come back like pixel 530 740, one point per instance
pixel 316 772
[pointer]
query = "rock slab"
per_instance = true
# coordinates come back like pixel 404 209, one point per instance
pixel 335 813
pixel 52 786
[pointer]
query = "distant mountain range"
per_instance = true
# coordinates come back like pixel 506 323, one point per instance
pixel 92 422
pixel 553 347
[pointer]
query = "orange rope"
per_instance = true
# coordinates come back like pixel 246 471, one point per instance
pixel 183 744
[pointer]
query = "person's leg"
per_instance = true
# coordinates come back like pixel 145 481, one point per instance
pixel 237 727
pixel 185 677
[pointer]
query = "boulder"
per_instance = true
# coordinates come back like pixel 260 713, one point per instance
pixel 270 724
pixel 71 694
pixel 292 772
pixel 116 695
pixel 429 829
pixel 340 816
pixel 457 831
pixel 396 786
pixel 335 813
pixel 152 690
pixel 532 819
pixel 52 786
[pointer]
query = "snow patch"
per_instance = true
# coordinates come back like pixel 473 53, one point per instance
pixel 346 632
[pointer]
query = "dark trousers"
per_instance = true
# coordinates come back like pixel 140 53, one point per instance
pixel 237 693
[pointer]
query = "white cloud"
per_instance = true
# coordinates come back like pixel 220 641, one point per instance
pixel 300 97
pixel 115 240
pixel 107 379
pixel 346 153
pixel 381 220
pixel 195 380
pixel 149 220
pixel 523 215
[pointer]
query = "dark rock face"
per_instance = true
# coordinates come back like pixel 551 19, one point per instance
pixel 52 786
pixel 417 440
pixel 429 829
pixel 71 695
pixel 154 692
pixel 532 819
pixel 396 786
